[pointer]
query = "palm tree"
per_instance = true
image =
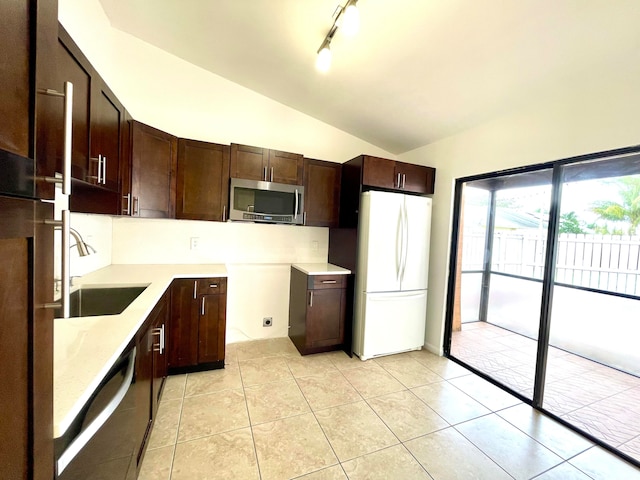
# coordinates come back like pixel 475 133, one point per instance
pixel 626 211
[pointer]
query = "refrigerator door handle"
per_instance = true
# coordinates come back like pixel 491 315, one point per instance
pixel 399 245
pixel 405 238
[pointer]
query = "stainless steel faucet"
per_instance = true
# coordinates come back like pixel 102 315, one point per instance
pixel 83 247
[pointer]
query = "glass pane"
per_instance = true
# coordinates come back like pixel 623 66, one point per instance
pixel 594 360
pixel 500 340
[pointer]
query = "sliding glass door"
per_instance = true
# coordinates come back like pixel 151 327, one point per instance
pixel 545 290
pixel 504 229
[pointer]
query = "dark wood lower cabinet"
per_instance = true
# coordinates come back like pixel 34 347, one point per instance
pixel 151 370
pixel 26 340
pixel 196 335
pixel 317 307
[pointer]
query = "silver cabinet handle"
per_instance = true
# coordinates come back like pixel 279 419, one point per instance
pixel 329 281
pixel 157 347
pixel 195 289
pixel 68 128
pixel 136 205
pixel 65 281
pixel 264 173
pixel 398 180
pixel 224 213
pixel 68 136
pixel 213 285
pixel 127 211
pixel 311 298
pixel 99 168
pixel 202 307
pixel 295 211
pixel 404 178
pixel 304 218
pixel 271 180
pixel 87 434
pixel 104 170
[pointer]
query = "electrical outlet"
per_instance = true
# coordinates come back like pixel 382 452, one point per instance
pixel 314 246
pixel 267 321
pixel 195 243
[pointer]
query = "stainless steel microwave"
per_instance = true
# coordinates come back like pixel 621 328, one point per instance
pixel 267 202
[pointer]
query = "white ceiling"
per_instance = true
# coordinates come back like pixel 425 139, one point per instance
pixel 418 71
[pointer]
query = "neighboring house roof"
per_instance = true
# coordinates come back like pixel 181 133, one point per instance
pixel 506 218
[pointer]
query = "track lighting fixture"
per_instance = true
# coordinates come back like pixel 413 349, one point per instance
pixel 347 18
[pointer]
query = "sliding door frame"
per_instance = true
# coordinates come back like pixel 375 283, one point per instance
pixel 557 167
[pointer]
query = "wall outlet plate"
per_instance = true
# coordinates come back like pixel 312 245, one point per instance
pixel 267 322
pixel 194 243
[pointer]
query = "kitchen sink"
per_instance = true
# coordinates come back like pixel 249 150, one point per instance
pixel 91 301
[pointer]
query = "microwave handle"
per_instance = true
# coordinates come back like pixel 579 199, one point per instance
pixel 295 214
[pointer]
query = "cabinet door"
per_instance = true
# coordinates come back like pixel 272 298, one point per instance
pixel 126 206
pixel 26 340
pixel 249 162
pixel 415 178
pixel 143 385
pixel 285 167
pixel 158 329
pixel 203 181
pixel 72 68
pixel 322 193
pixel 15 94
pixel 379 172
pixel 211 328
pixel 182 335
pixel 153 172
pixel 106 129
pixel 325 317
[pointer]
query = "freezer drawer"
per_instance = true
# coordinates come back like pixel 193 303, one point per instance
pixel 390 323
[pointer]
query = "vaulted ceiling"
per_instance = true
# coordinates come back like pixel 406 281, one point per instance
pixel 418 71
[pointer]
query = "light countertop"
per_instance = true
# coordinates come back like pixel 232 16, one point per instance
pixel 86 348
pixel 320 269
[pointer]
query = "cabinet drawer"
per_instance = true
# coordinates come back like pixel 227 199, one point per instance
pixel 210 286
pixel 326 281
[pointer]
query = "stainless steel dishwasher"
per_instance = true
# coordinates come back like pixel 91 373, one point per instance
pixel 101 442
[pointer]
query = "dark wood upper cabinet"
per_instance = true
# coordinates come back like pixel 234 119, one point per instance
pixel 415 178
pixel 322 192
pixel 393 175
pixel 28 35
pixel 378 172
pixel 285 167
pixel 153 172
pixel 248 162
pixel 16 37
pixel 74 68
pixel 107 128
pixel 256 163
pixel 203 181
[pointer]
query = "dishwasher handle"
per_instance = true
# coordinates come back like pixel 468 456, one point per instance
pixel 87 434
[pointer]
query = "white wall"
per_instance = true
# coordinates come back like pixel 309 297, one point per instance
pixel 257 257
pixel 176 96
pixel 599 114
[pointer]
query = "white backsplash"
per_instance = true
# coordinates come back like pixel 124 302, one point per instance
pixel 257 257
pixel 137 240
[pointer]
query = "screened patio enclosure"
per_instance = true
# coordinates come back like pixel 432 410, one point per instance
pixel 544 292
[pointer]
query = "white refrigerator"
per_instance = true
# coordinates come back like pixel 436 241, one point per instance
pixel 391 276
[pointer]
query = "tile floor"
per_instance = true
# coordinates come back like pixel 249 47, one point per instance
pixel 597 399
pixel 272 414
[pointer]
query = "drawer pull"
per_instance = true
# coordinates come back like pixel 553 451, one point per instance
pixel 195 289
pixel 213 285
pixel 328 281
pixel 311 298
